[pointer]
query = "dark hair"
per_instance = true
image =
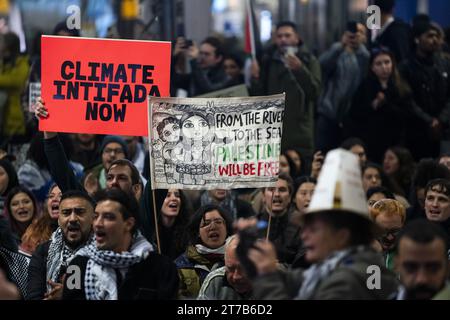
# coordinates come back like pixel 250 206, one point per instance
pixel 406 167
pixel 362 230
pixel 301 180
pixel 400 84
pixel 302 170
pixel 12 43
pixel 135 176
pixel 12 175
pixel 386 6
pixel 291 164
pixel 207 117
pixel 289 181
pixel 423 231
pixel 78 194
pixel 236 59
pixel 196 219
pixel 129 207
pixel 386 192
pixel 62 26
pixel 163 124
pixel 290 24
pixel 180 236
pixel 16 226
pixel 427 170
pixel 351 142
pixel 438 185
pixel 216 43
pixel 385 180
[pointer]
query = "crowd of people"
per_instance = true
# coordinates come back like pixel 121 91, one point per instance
pixel 84 202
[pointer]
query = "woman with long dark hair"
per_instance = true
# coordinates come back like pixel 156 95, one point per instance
pixel 21 209
pixel 41 229
pixel 174 213
pixel 380 106
pixel 208 231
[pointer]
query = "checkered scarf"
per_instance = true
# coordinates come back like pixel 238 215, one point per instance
pixel 317 272
pixel 100 281
pixel 59 256
pixel 17 264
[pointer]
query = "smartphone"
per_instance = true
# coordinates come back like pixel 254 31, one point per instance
pixel 352 27
pixel 188 43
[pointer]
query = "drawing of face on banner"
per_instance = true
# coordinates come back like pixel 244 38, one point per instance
pixel 209 143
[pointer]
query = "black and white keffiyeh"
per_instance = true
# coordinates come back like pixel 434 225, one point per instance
pixel 317 272
pixel 17 264
pixel 59 255
pixel 100 281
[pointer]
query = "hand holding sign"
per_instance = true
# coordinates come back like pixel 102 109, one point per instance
pixel 104 89
pixel 40 111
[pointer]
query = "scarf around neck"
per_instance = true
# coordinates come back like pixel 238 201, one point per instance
pixel 317 272
pixel 59 255
pixel 100 280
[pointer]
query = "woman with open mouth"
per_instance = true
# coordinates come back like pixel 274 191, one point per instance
pixel 174 213
pixel 208 230
pixel 21 209
pixel 41 229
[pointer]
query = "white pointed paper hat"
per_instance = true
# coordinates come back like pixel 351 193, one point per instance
pixel 339 186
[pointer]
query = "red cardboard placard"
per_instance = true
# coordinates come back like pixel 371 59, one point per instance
pixel 101 86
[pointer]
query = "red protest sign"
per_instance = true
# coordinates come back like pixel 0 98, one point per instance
pixel 101 85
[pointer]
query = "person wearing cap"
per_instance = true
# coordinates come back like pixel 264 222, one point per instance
pixel 422 262
pixel 337 236
pixel 428 75
pixel 112 148
pixel 390 216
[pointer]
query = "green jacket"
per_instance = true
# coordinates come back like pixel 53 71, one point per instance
pixel 13 79
pixel 193 268
pixel 216 287
pixel 302 90
pixel 348 281
pixel 444 294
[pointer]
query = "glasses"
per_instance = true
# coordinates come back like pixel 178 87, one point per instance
pixel 392 232
pixel 116 151
pixel 207 223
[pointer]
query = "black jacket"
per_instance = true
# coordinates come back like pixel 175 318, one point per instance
pixel 381 128
pixel 429 79
pixel 37 273
pixel 430 84
pixel 155 278
pixel 285 235
pixel 397 37
pixel 202 81
pixel 59 166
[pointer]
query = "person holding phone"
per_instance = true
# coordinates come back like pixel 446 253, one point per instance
pixel 289 67
pixel 205 72
pixel 344 67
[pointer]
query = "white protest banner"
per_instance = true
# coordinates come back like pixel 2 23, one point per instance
pixel 215 143
pixel 35 93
